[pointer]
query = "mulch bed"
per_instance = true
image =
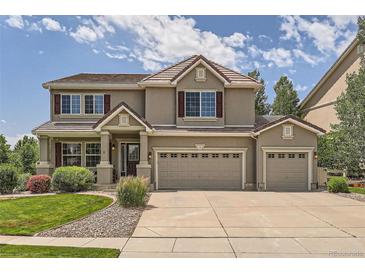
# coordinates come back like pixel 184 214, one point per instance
pixel 113 221
pixel 355 196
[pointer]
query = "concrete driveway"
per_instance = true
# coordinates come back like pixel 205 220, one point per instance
pixel 249 224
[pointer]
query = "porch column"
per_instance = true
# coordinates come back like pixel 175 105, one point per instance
pixel 44 165
pixel 104 169
pixel 144 168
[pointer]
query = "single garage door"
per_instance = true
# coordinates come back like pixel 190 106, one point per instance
pixel 199 170
pixel 287 171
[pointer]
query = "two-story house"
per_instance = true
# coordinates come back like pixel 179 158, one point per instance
pixel 189 126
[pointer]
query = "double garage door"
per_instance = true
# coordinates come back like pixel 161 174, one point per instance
pixel 287 171
pixel 199 170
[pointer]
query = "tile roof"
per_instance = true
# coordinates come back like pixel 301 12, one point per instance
pixel 171 73
pixel 99 78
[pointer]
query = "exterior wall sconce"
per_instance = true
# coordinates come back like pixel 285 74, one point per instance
pixel 315 155
pixel 113 147
pixel 149 155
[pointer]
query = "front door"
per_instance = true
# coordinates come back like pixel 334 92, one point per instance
pixel 132 159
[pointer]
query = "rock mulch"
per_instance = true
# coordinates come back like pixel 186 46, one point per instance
pixel 355 196
pixel 113 221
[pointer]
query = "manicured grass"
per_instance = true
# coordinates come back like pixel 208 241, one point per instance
pixel 360 190
pixel 29 215
pixel 29 251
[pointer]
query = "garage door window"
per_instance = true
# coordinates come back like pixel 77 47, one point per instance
pixel 301 155
pixel 281 156
pixel 271 156
pixel 291 155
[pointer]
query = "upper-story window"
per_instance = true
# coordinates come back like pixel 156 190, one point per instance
pixel 94 104
pixel 288 131
pixel 200 104
pixel 70 104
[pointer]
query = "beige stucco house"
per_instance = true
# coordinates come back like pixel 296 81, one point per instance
pixel 190 126
pixel 318 105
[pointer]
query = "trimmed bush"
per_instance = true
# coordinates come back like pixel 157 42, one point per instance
pixel 22 182
pixel 131 191
pixel 72 179
pixel 338 184
pixel 39 184
pixel 8 178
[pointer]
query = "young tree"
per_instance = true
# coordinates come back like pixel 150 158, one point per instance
pixel 286 100
pixel 26 152
pixel 261 105
pixel 350 108
pixel 4 150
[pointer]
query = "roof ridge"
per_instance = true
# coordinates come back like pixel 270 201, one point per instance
pixel 168 67
pixel 245 75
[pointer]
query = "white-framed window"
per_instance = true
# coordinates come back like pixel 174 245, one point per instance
pixel 71 154
pixel 123 119
pixel 288 131
pixel 92 154
pixel 200 104
pixel 200 74
pixel 94 104
pixel 70 103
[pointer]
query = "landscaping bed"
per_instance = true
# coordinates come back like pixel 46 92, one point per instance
pixel 114 221
pixel 29 215
pixel 28 251
pixel 356 193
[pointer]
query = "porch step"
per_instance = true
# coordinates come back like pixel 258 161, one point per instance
pixel 106 187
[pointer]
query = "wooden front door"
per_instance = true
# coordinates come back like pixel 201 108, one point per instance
pixel 132 159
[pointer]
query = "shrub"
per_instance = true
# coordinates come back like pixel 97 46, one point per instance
pixel 131 191
pixel 337 184
pixel 8 178
pixel 22 182
pixel 39 184
pixel 72 179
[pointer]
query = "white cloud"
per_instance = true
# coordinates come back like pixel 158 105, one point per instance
pixel 163 39
pixel 292 71
pixel 116 55
pixel 3 121
pixel 278 56
pixel 12 140
pixel 300 88
pixel 52 25
pixel 34 27
pixel 95 51
pixel 84 34
pixel 235 40
pixel 342 21
pixel 310 59
pixel 326 34
pixel 15 21
pixel 40 52
pixel 265 37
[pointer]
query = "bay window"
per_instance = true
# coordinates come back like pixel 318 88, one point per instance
pixel 200 104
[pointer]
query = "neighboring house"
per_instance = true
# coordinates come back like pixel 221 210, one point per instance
pixel 318 106
pixel 190 126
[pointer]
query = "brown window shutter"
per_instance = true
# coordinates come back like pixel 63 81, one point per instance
pixel 219 104
pixel 181 104
pixel 57 103
pixel 106 103
pixel 58 155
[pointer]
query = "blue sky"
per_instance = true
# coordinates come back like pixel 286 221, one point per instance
pixel 35 49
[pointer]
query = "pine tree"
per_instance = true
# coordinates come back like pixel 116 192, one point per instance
pixel 261 105
pixel 286 100
pixel 4 150
pixel 350 108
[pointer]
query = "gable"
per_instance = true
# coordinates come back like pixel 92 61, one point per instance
pixel 117 120
pixel 188 81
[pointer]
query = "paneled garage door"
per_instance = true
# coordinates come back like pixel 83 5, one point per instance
pixel 287 171
pixel 199 170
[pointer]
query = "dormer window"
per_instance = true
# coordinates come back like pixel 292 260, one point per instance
pixel 200 74
pixel 288 132
pixel 124 120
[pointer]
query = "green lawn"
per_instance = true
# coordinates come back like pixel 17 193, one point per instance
pixel 360 190
pixel 29 215
pixel 29 251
